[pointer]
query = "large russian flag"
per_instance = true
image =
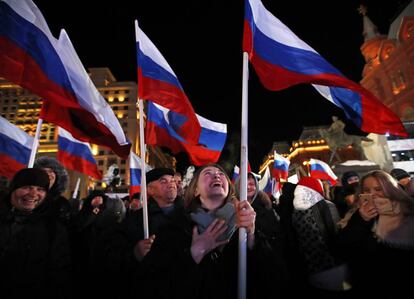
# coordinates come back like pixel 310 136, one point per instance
pixel 280 167
pixel 31 57
pixel 158 83
pixel 281 60
pixel 320 170
pixel 15 148
pixel 160 130
pixel 76 155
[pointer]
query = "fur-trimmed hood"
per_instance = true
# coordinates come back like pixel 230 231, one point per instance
pixel 62 178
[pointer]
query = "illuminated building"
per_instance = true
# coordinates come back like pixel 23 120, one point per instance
pixel 22 108
pixel 389 70
pixel 309 145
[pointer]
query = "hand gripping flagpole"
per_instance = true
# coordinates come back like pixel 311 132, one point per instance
pixel 142 152
pixel 243 177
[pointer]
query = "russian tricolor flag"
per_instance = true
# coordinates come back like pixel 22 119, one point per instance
pixel 15 148
pixel 76 155
pixel 161 130
pixel 282 60
pixel 280 167
pixel 158 83
pixel 135 173
pixel 236 174
pixel 265 183
pixel 321 170
pixel 31 57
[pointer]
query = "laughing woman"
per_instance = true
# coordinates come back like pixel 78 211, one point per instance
pixel 196 257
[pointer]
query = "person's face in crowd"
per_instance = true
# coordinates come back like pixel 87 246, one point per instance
pixel 372 186
pixel 135 204
pixel 163 190
pixel 353 180
pixel 52 176
pixel 213 187
pixel 404 181
pixel 97 201
pixel 27 198
pixel 251 188
pixel 179 182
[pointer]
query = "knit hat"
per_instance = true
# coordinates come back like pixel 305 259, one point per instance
pixel 348 175
pixel 29 177
pixel 157 173
pixel 308 192
pixel 399 174
pixel 311 183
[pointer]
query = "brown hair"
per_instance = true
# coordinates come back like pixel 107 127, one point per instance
pixel 391 190
pixel 191 201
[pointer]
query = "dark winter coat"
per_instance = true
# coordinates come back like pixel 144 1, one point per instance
pixel 35 258
pixel 170 271
pixel 377 269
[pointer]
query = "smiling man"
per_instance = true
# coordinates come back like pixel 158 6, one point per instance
pixel 33 243
pixel 28 189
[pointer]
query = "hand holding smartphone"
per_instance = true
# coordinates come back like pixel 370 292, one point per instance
pixel 366 198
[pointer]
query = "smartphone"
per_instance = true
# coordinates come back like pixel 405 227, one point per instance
pixel 365 197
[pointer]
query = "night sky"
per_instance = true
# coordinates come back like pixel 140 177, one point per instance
pixel 201 41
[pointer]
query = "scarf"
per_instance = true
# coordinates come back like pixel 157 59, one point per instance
pixel 393 227
pixel 204 218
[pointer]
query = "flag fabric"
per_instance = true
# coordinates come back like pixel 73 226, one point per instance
pixel 32 58
pixel 135 173
pixel 15 148
pixel 160 130
pixel 265 183
pixel 320 170
pixel 281 60
pixel 76 155
pixel 158 83
pixel 236 174
pixel 280 167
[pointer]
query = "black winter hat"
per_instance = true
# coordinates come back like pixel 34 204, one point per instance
pixel 29 177
pixel 156 173
pixel 399 173
pixel 346 176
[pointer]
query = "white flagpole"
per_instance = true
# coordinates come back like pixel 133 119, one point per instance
pixel 243 177
pixel 35 143
pixel 142 151
pixel 75 193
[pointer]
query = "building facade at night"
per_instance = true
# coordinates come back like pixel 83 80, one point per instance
pixel 389 74
pixel 22 108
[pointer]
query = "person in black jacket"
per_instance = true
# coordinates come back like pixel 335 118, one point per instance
pixel 34 248
pixel 127 247
pixel 197 255
pixel 269 227
pixel 59 180
pixel 378 241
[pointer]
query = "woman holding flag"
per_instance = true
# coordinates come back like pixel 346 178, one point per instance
pixel 196 256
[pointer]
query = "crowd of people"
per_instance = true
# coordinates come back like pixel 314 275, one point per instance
pixel 350 240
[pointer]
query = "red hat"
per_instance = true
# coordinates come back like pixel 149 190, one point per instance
pixel 312 183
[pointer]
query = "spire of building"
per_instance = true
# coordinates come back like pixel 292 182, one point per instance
pixel 370 30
